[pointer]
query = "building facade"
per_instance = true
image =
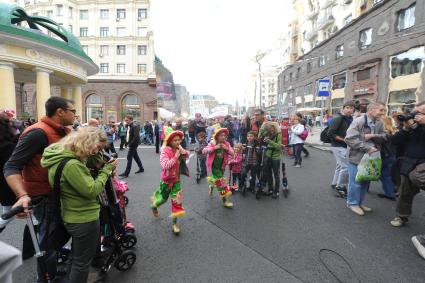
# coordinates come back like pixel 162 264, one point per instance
pixel 201 103
pixel 117 35
pixel 269 87
pixel 378 56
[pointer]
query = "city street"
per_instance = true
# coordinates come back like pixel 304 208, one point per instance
pixel 266 240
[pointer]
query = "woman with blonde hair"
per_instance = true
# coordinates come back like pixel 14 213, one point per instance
pixel 66 161
pixel 388 160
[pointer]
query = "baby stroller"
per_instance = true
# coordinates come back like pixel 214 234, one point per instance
pixel 121 187
pixel 116 239
pixel 198 170
pixel 285 188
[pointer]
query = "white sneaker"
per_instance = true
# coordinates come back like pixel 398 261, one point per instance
pixel 365 208
pixel 419 243
pixel 297 166
pixel 357 210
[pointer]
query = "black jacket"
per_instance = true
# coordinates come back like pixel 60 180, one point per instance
pixel 134 137
pixel 339 128
pixel 7 197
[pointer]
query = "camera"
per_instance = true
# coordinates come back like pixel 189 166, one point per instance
pixel 407 116
pixel 109 157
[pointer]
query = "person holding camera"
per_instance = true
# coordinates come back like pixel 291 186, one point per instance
pixel 365 135
pixel 412 139
pixel 78 192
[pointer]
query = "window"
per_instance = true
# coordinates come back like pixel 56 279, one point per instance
pixel 339 51
pixel 308 67
pixel 337 104
pixel 297 75
pixel 401 100
pixel 104 31
pixel 348 19
pixel 84 14
pixel 407 63
pixel 142 13
pixel 365 38
pixel 120 14
pixel 290 77
pixel 94 107
pixel 85 48
pixel 141 68
pixel 70 12
pixel 141 49
pixel 104 50
pixel 120 68
pixel 120 49
pixel 121 31
pixel 406 18
pixel 339 81
pixel 70 28
pixel 84 32
pixel 104 14
pixel 142 31
pixel 104 68
pixel 130 105
pixel 322 60
pixel 364 74
pixel 49 14
pixel 59 10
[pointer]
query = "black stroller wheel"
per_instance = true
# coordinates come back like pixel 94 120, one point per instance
pixel 125 261
pixel 128 241
pixel 126 200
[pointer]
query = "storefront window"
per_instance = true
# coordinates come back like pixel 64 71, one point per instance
pixel 407 63
pixel 337 104
pixel 94 107
pixel 131 106
pixel 401 100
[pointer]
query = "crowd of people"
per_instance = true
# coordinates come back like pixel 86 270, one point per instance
pixel 251 148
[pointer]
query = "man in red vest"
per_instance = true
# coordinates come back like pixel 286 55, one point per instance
pixel 27 178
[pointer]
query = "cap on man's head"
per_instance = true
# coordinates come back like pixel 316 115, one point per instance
pixel 349 103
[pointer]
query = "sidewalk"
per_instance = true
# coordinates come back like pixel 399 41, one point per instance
pixel 313 140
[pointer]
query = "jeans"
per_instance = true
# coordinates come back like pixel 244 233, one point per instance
pixel 386 180
pixel 132 153
pixel 203 167
pixel 110 148
pixel 297 153
pixel 252 170
pixel 340 178
pixel 272 171
pixel 356 190
pixel 85 239
pixel 123 142
pixel 46 214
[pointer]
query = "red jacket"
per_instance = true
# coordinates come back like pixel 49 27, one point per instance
pixel 235 163
pixel 210 150
pixel 170 165
pixel 35 177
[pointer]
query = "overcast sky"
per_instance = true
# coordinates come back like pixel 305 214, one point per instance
pixel 209 45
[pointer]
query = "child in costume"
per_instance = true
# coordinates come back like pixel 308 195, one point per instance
pixel 235 166
pixel 219 152
pixel 173 164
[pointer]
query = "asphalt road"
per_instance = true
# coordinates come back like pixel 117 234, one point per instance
pixel 283 240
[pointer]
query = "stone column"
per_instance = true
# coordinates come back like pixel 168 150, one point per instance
pixel 77 97
pixel 7 86
pixel 42 90
pixel 65 91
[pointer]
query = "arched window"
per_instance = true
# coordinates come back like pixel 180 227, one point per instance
pixel 130 105
pixel 94 107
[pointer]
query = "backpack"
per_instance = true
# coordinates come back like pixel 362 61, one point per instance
pixel 304 134
pixel 324 137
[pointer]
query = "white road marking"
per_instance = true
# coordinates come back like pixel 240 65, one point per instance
pixel 351 244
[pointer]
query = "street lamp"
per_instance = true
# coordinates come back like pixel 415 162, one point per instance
pixel 258 57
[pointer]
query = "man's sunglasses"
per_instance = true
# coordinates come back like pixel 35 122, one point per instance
pixel 72 110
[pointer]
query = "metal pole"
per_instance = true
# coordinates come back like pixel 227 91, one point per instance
pixel 261 92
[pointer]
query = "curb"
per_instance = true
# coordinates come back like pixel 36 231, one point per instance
pixel 322 147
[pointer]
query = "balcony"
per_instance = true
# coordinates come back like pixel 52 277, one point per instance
pixel 312 14
pixel 329 3
pixel 326 21
pixel 309 35
pixel 347 2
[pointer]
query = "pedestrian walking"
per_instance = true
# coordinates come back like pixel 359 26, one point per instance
pixel 122 133
pixel 133 140
pixel 295 140
pixel 388 155
pixel 365 135
pixel 173 164
pixel 219 152
pixel 110 133
pixel 337 132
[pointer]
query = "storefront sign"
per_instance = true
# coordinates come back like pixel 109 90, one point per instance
pixel 364 87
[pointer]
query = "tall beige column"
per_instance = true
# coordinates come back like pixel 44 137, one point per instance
pixel 42 90
pixel 65 91
pixel 77 97
pixel 7 86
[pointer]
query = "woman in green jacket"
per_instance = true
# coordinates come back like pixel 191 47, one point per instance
pixel 78 193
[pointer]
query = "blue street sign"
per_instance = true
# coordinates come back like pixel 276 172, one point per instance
pixel 323 88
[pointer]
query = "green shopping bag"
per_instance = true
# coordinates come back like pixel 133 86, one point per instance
pixel 369 168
